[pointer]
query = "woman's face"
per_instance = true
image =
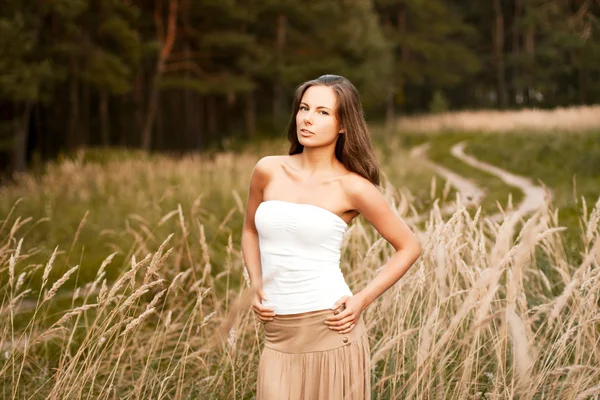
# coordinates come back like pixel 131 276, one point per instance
pixel 316 121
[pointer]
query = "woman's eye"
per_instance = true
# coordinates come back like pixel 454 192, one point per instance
pixel 303 108
pixel 325 112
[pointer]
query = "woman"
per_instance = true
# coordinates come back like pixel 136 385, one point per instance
pixel 299 207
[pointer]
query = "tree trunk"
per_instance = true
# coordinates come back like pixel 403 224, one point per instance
pixel 124 119
pixel 390 110
pixel 188 105
pixel 530 41
pixel 84 123
pixel 277 85
pixel 498 37
pixel 20 143
pixel 212 115
pixel 397 87
pixel 582 81
pixel 167 46
pixel 516 49
pixel 39 125
pixel 250 115
pixel 529 48
pixel 74 116
pixel 160 118
pixel 104 120
pixel 138 104
pixel 201 122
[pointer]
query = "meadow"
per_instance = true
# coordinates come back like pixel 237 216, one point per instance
pixel 121 276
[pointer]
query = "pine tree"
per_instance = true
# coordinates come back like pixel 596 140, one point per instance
pixel 431 47
pixel 25 72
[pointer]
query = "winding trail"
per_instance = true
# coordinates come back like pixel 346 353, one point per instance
pixel 472 194
pixel 535 196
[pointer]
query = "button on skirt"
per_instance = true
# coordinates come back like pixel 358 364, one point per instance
pixel 305 360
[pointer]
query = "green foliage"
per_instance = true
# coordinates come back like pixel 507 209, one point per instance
pixel 107 71
pixel 431 44
pixel 439 102
pixel 234 65
pixel 23 73
pixel 119 35
pixel 221 84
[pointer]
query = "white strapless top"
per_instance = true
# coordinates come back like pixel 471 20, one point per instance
pixel 300 256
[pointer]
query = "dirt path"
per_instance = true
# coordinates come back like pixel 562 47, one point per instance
pixel 535 196
pixel 468 191
pixel 472 194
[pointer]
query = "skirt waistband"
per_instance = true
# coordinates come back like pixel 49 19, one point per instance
pixel 307 332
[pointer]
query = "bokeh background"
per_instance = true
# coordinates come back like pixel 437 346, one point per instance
pixel 128 132
pixel 184 75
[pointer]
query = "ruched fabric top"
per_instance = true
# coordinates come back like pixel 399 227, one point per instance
pixel 300 256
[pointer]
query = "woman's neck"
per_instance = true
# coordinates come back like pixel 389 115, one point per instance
pixel 318 161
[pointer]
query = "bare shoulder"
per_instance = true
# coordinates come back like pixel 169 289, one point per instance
pixel 261 176
pixel 267 165
pixel 355 185
pixel 361 192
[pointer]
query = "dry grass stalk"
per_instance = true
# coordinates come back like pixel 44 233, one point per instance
pixel 138 293
pixel 105 263
pixel 521 356
pixel 59 283
pixel 450 320
pixel 73 312
pixel 48 268
pixel 12 262
pixel 137 321
pixel 129 275
pixel 592 224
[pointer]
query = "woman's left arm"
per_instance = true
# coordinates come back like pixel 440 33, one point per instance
pixel 370 203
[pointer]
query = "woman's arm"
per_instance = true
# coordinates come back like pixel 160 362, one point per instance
pixel 250 248
pixel 369 202
pixel 250 244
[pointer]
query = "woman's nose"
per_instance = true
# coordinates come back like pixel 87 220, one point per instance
pixel 308 118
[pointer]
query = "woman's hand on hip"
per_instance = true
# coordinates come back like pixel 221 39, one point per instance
pixel 347 319
pixel 264 314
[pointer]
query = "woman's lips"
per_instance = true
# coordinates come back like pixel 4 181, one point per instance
pixel 306 132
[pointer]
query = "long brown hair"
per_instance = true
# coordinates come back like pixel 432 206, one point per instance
pixel 353 148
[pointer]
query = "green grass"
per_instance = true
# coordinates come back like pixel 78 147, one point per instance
pixel 430 329
pixel 567 163
pixel 97 202
pixel 440 144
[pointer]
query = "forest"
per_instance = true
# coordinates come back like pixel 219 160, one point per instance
pixel 183 75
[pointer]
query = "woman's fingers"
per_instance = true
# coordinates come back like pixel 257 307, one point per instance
pixel 264 314
pixel 263 310
pixel 342 324
pixel 349 329
pixel 341 318
pixel 338 317
pixel 263 318
pixel 267 312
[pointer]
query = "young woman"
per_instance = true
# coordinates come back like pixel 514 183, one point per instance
pixel 299 207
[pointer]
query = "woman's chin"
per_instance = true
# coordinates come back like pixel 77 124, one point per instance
pixel 305 141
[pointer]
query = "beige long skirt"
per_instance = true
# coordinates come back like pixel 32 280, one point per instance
pixel 305 360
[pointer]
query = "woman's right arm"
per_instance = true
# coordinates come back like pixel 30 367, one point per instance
pixel 250 246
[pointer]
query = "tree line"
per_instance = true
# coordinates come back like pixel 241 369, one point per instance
pixel 181 75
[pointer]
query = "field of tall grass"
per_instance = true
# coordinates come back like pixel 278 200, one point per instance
pixel 569 119
pixel 121 276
